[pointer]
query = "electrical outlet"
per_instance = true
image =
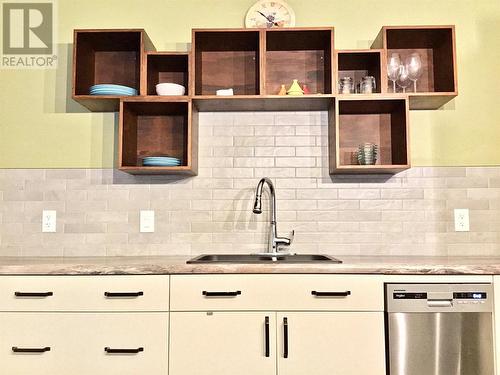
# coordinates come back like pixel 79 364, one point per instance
pixel 49 221
pixel 462 220
pixel 147 221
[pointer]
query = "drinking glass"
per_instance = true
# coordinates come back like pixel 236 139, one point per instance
pixel 367 85
pixel 346 85
pixel 414 65
pixel 403 80
pixel 393 64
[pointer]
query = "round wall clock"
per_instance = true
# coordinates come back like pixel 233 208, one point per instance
pixel 270 13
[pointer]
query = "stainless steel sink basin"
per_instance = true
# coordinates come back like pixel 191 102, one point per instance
pixel 250 258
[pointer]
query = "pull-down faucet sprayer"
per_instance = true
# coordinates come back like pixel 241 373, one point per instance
pixel 274 240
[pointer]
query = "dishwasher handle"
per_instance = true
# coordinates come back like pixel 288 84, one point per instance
pixel 440 303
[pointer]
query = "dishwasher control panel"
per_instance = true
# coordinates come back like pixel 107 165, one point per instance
pixel 439 297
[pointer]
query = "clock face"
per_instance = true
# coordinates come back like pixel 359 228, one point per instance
pixel 270 13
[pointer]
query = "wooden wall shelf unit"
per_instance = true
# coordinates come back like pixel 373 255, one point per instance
pixel 226 58
pixel 360 63
pixel 159 126
pixel 112 56
pixel 166 67
pixel 255 63
pixel 305 54
pixel 436 46
pixel 375 120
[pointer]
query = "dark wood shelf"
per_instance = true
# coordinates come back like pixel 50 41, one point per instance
pixel 255 63
pixel 305 54
pixel 107 57
pixel 166 67
pixel 159 127
pixel 436 46
pixel 226 58
pixel 383 122
pixel 360 63
pixel 215 103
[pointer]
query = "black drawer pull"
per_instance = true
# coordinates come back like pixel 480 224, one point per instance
pixel 123 351
pixel 123 294
pixel 331 294
pixel 267 335
pixel 15 349
pixel 33 294
pixel 221 294
pixel 285 337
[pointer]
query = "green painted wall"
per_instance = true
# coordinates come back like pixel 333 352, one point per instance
pixel 41 127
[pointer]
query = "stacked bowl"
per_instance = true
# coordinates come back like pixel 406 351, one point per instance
pixel 161 161
pixel 115 90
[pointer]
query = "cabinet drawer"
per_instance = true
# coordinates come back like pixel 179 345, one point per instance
pixel 277 292
pixel 84 293
pixel 74 343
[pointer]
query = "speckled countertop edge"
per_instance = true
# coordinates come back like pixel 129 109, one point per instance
pixel 165 265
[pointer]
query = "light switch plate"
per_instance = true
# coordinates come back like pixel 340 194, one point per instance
pixel 147 221
pixel 462 220
pixel 49 221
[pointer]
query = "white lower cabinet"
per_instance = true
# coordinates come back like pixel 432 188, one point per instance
pixel 83 343
pixel 222 343
pixel 319 343
pixel 326 343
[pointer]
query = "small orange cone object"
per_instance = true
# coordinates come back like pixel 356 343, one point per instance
pixel 282 90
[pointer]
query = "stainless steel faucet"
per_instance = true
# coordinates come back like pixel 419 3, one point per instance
pixel 275 242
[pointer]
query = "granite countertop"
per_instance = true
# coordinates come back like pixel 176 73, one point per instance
pixel 177 265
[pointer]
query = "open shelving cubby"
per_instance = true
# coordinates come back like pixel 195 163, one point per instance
pixel 157 127
pixel 226 58
pixel 383 122
pixel 436 46
pixel 162 67
pixel 305 54
pixel 107 57
pixel 360 63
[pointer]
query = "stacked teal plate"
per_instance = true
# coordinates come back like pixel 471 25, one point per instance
pixel 161 161
pixel 116 90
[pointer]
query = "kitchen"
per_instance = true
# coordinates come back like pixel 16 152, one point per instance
pixel 95 241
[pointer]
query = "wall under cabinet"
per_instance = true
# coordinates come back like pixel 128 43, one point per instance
pixel 98 209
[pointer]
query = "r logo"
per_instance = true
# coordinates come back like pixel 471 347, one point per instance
pixel 27 28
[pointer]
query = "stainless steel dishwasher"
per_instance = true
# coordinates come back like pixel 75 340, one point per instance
pixel 440 329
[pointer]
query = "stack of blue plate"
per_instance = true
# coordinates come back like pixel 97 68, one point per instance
pixel 161 161
pixel 118 90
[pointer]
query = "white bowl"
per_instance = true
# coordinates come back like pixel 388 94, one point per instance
pixel 169 89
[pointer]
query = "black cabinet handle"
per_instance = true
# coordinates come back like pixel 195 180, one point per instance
pixel 123 351
pixel 266 329
pixel 221 294
pixel 331 294
pixel 285 337
pixel 33 294
pixel 15 349
pixel 123 294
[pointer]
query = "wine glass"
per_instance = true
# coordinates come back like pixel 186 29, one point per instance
pixel 414 65
pixel 403 80
pixel 393 64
